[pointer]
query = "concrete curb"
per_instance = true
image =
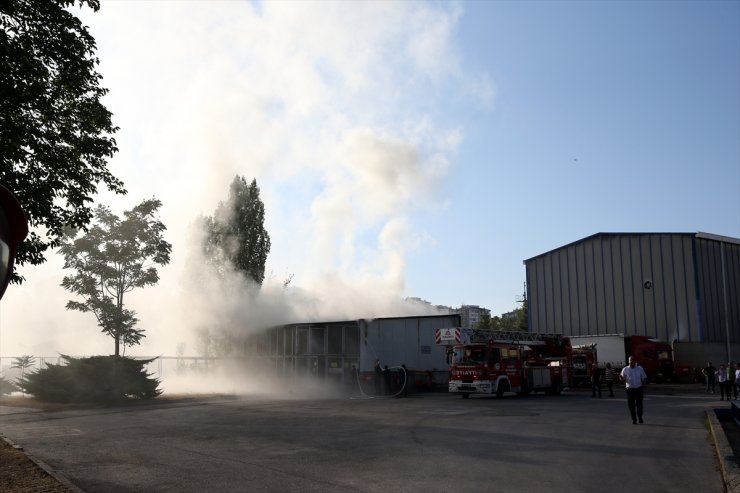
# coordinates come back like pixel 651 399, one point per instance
pixel 728 464
pixel 47 469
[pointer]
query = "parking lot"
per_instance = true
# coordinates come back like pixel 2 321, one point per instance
pixel 432 442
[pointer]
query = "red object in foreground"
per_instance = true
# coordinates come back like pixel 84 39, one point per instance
pixel 13 229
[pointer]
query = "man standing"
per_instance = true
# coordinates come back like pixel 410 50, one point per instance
pixel 731 381
pixel 378 376
pixel 609 376
pixel 595 380
pixel 634 377
pixel 709 372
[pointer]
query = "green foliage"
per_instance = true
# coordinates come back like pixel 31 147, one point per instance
pixel 522 321
pixel 235 235
pixel 55 134
pixel 23 363
pixel 7 387
pixel 114 257
pixel 485 322
pixel 94 379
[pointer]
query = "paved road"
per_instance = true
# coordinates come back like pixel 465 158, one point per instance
pixel 430 443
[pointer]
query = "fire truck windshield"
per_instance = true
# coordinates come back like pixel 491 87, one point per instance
pixel 663 354
pixel 470 355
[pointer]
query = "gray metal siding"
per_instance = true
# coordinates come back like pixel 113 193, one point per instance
pixel 596 286
pixel 719 297
pixel 397 341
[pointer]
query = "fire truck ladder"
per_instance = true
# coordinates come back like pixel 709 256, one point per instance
pixel 511 336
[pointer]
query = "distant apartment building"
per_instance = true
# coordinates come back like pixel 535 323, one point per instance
pixel 513 314
pixel 472 314
pixel 469 314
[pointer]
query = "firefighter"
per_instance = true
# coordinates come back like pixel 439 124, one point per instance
pixel 378 376
pixel 387 379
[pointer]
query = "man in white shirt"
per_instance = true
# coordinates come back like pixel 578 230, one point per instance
pixel 634 378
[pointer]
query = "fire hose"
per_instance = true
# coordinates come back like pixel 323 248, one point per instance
pixel 388 396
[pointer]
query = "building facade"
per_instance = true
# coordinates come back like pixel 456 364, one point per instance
pixel 471 315
pixel 336 352
pixel 677 287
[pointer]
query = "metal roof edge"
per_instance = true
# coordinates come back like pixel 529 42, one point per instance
pixel 723 239
pixel 609 234
pixel 366 320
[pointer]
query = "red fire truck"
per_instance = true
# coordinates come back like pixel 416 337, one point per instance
pixel 495 362
pixel 582 362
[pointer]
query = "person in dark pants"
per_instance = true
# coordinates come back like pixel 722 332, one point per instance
pixel 378 376
pixel 709 372
pixel 595 380
pixel 387 379
pixel 634 378
pixel 731 378
pixel 609 379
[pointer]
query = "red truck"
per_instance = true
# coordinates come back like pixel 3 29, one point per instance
pixel 654 355
pixel 583 360
pixel 495 362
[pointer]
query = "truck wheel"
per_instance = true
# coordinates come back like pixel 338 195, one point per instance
pixel 465 395
pixel 502 387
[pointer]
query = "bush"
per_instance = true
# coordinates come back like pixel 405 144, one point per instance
pixel 94 379
pixel 6 386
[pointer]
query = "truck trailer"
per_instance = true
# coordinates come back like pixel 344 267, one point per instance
pixel 654 355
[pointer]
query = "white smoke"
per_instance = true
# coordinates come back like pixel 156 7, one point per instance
pixel 329 105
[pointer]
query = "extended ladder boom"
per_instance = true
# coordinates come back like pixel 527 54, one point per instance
pixel 471 336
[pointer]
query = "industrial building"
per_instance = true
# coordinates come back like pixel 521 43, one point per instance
pixel 683 288
pixel 337 351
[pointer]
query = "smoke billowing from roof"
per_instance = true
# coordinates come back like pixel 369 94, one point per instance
pixel 330 106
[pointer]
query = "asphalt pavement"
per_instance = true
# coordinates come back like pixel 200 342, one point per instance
pixel 425 443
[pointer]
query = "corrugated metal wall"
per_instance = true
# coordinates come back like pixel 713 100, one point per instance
pixel 406 340
pixel 718 282
pixel 640 283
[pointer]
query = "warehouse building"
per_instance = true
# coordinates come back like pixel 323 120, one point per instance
pixel 338 352
pixel 683 288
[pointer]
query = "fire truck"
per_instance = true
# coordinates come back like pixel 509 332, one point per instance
pixel 583 360
pixel 495 362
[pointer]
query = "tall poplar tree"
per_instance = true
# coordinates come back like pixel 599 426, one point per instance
pixel 236 237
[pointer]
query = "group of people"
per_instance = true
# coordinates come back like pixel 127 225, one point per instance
pixel 634 378
pixel 598 375
pixel 728 378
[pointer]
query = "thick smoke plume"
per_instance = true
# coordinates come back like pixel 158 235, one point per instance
pixel 330 106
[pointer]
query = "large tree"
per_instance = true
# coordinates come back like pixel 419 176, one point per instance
pixel 235 235
pixel 55 134
pixel 112 258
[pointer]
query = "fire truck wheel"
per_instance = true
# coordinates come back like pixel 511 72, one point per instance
pixel 465 396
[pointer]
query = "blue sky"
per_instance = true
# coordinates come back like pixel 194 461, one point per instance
pixel 609 116
pixel 419 149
